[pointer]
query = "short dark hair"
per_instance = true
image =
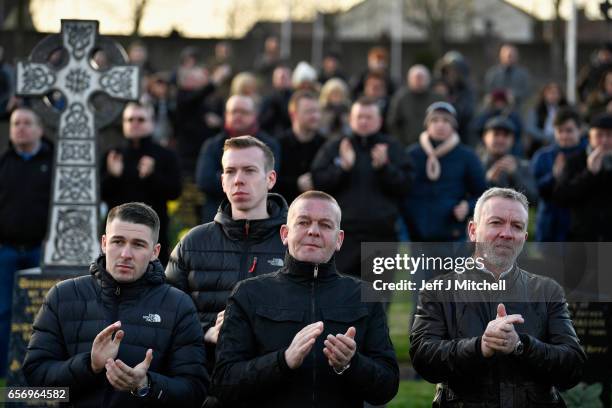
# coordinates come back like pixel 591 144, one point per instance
pixel 367 101
pixel 565 114
pixel 136 213
pixel 298 96
pixel 244 142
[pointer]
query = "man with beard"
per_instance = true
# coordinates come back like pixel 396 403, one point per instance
pixel 511 348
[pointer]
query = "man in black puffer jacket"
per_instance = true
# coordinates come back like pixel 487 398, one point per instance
pixel 120 336
pixel 302 337
pixel 242 241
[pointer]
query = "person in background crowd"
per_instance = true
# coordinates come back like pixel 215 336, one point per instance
pixel 448 180
pixel 590 75
pixel 539 128
pixel 502 168
pixel 454 71
pixel 142 170
pixel 600 100
pixel 553 220
pixel 509 75
pixel 240 120
pixel 300 145
pixel 499 103
pixel 584 185
pixel 331 67
pixel 274 114
pixel 407 109
pixel 25 190
pixel 197 117
pixel 268 60
pixel 378 63
pixel 335 103
pixel 368 172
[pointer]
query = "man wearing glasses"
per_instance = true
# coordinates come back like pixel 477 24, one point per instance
pixel 141 170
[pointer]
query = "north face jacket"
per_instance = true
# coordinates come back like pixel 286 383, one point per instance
pixel 152 314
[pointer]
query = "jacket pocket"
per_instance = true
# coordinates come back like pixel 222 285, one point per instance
pixel 339 319
pixel 275 328
pixel 538 398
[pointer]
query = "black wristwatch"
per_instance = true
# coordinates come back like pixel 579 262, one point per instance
pixel 518 348
pixel 143 391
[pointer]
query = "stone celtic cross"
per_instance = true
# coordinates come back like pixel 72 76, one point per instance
pixel 72 236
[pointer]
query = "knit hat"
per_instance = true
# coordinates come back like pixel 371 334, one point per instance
pixel 444 108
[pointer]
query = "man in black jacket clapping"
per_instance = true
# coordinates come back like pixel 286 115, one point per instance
pixel 301 336
pixel 120 336
pixel 500 348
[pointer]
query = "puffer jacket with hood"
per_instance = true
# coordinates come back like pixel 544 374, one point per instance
pixel 152 314
pixel 209 261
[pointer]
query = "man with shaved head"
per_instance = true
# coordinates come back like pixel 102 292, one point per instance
pixel 301 336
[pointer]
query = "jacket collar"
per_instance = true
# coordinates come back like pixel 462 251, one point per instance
pixel 367 141
pixel 112 289
pixel 305 271
pixel 258 230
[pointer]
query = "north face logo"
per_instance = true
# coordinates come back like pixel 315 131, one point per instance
pixel 276 262
pixel 152 318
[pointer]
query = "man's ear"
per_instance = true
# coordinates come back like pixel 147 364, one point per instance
pixel 156 249
pixel 271 178
pixel 339 240
pixel 103 243
pixel 284 232
pixel 472 231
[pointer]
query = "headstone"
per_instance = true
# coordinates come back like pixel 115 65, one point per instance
pixel 72 240
pixel 61 66
pixel 593 324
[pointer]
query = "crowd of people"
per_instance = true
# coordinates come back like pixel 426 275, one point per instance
pixel 401 161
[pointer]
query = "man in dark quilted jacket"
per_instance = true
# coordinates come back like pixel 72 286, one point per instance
pixel 120 336
pixel 242 241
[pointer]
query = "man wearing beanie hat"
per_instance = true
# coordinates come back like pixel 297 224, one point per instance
pixel 449 179
pixel 503 169
pixel 585 182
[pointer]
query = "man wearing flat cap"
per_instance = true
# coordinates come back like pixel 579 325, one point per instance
pixel 585 182
pixel 503 169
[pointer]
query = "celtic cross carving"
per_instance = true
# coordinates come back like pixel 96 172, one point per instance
pixel 72 240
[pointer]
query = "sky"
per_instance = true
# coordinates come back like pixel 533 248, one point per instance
pixel 212 18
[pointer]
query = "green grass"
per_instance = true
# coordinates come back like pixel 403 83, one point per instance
pixel 413 394
pixel 2 382
pixel 399 317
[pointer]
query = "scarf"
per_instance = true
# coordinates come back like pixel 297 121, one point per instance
pixel 432 167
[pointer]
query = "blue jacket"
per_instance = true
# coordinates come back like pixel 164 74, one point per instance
pixel 428 209
pixel 552 220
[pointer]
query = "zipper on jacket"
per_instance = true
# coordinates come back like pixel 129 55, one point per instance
pixel 253 265
pixel 246 228
pixel 117 291
pixel 314 354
